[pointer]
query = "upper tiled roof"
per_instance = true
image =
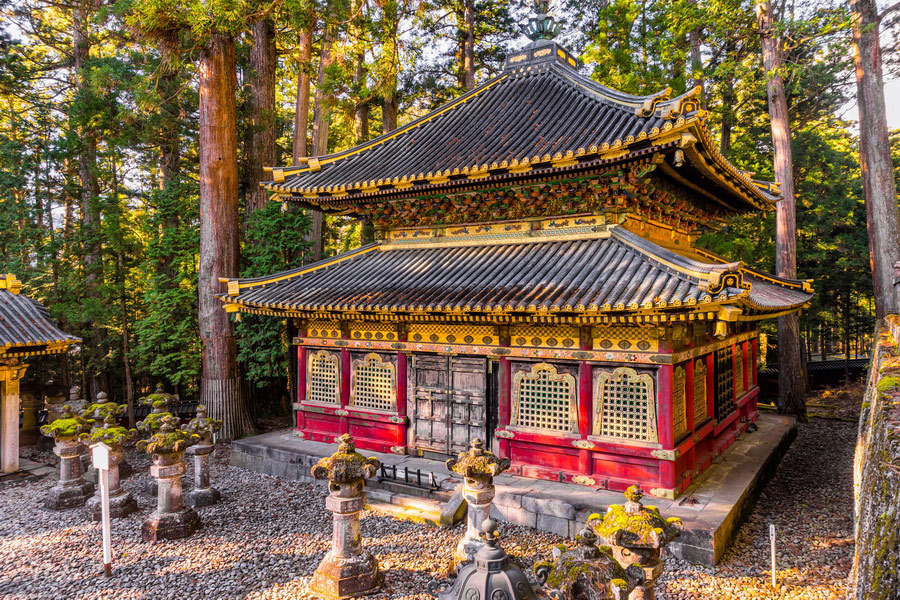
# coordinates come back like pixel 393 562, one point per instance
pixel 617 272
pixel 529 119
pixel 25 325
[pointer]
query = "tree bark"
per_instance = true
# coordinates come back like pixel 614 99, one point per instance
pixel 261 152
pixel 90 202
pixel 469 53
pixel 879 186
pixel 792 381
pixel 301 115
pixel 221 387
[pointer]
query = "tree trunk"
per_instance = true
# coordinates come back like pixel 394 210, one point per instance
pixel 469 48
pixel 792 382
pixel 261 152
pixel 301 115
pixel 90 203
pixel 362 105
pixel 879 186
pixel 221 387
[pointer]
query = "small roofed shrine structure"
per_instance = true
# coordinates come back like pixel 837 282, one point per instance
pixel 535 283
pixel 26 330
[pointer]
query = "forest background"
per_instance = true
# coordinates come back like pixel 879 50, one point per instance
pixel 99 149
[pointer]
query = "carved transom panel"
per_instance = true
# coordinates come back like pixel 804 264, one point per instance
pixel 439 333
pixel 700 411
pixel 625 406
pixel 544 399
pixel 373 384
pixel 739 371
pixel 323 329
pixel 322 378
pixel 641 339
pixel 679 403
pixel 560 336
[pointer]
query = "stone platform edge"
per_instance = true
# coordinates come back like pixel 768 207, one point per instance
pixel 712 509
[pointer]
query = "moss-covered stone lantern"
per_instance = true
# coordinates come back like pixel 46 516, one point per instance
pixel 71 491
pixel 97 412
pixel 347 570
pixel 637 534
pixel 172 520
pixel 121 503
pixel 491 575
pixel 159 399
pixel 203 494
pixel 478 468
pixel 585 572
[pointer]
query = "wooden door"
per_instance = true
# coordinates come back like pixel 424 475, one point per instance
pixel 450 403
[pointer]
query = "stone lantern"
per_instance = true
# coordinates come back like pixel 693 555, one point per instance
pixel 491 576
pixel 202 494
pixel 97 413
pixel 347 570
pixel 159 399
pixel 151 424
pixel 478 468
pixel 71 490
pixel 172 520
pixel 637 535
pixel 121 503
pixel 586 572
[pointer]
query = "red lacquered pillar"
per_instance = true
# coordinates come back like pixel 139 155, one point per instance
pixel 711 385
pixel 665 426
pixel 503 403
pixel 301 384
pixel 401 397
pixel 585 400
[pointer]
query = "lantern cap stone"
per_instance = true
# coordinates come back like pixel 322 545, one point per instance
pixel 203 425
pixel 634 525
pixel 68 427
pixel 346 464
pixel 477 463
pixel 110 434
pixel 169 439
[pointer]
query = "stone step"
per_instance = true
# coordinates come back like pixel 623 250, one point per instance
pixel 419 510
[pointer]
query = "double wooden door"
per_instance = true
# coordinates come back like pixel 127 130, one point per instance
pixel 451 398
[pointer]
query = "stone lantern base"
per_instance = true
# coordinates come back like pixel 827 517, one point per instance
pixel 346 577
pixel 68 495
pixel 120 505
pixel 170 526
pixel 200 497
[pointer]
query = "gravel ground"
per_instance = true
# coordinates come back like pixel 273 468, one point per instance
pixel 268 535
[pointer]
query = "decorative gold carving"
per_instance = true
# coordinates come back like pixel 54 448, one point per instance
pixel 679 403
pixel 402 450
pixel 739 370
pixel 504 434
pixel 558 336
pixel 436 333
pixel 700 408
pixel 342 413
pixel 368 330
pixel 584 480
pixel 636 339
pixel 583 444
pixel 324 329
pixel 373 384
pixel 625 406
pixel 663 493
pixel 666 454
pixel 397 419
pixel 649 106
pixel 544 399
pixel 323 381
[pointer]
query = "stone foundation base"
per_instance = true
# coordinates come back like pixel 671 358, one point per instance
pixel 202 497
pixel 346 578
pixel 125 469
pixel 170 526
pixel 61 497
pixel 119 506
pixel 151 489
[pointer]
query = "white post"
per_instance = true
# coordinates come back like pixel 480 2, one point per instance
pixel 100 455
pixel 772 540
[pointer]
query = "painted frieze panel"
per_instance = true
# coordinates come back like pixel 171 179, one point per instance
pixel 641 339
pixel 372 330
pixel 438 333
pixel 323 329
pixel 548 336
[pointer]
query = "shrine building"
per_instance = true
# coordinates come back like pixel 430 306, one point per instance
pixel 26 330
pixel 535 282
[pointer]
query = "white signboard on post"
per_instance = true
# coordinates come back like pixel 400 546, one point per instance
pixel 100 457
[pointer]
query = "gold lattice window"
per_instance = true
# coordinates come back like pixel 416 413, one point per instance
pixel 700 412
pixel 544 399
pixel 679 403
pixel 372 384
pixel 739 370
pixel 625 406
pixel 323 382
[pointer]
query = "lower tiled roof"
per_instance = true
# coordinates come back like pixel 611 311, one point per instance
pixel 24 323
pixel 619 272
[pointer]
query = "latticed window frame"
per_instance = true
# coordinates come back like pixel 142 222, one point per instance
pixel 333 359
pixel 535 373
pixel 607 377
pixel 724 403
pixel 369 359
pixel 679 402
pixel 701 409
pixel 739 370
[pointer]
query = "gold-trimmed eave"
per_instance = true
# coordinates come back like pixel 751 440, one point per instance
pixel 685 133
pixel 52 347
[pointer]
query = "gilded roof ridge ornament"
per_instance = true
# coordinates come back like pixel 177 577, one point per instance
pixel 542 26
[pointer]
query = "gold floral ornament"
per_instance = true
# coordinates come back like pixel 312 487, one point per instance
pixel 346 464
pixel 169 439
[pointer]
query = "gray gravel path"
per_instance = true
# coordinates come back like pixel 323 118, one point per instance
pixel 266 539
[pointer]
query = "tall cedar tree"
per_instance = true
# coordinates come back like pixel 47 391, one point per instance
pixel 879 186
pixel 792 381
